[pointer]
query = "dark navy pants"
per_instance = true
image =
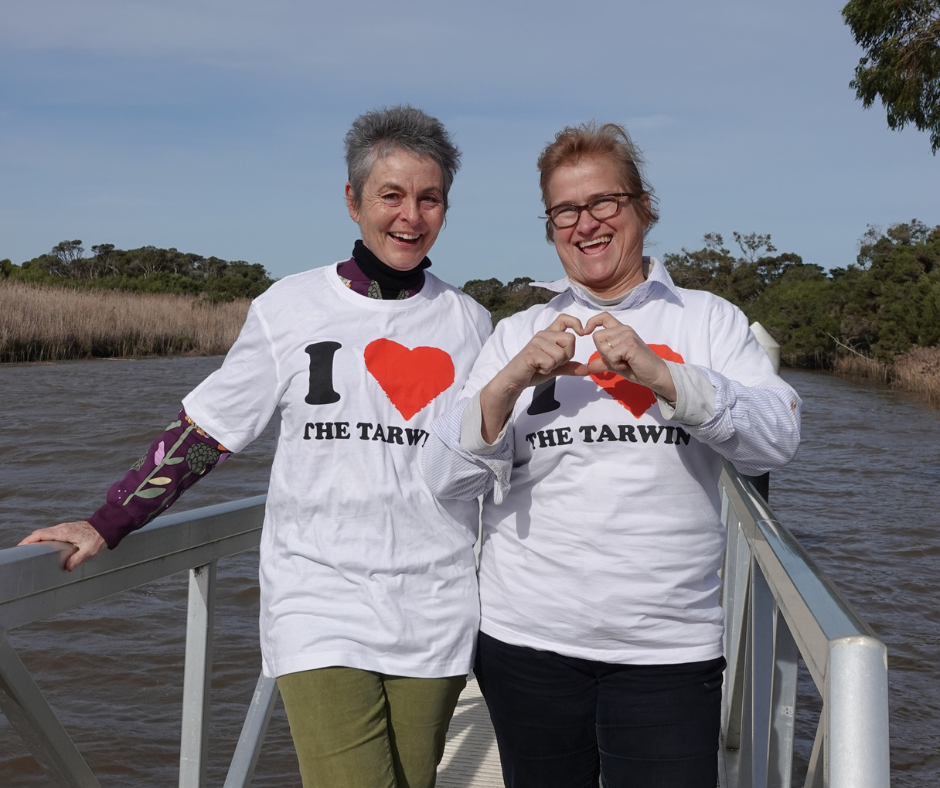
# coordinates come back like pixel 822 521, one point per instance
pixel 563 722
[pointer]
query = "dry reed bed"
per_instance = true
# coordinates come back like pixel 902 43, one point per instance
pixel 50 324
pixel 858 366
pixel 916 371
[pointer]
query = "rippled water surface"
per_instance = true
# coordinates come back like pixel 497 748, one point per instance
pixel 861 497
pixel 113 670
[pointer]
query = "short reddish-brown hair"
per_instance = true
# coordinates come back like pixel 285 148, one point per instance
pixel 609 141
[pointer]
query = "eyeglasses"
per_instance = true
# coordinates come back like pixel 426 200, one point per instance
pixel 605 206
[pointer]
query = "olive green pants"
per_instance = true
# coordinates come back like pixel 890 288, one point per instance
pixel 358 729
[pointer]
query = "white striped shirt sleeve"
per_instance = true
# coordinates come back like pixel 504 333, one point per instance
pixel 756 428
pixel 451 471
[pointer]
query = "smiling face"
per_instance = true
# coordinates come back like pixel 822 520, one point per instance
pixel 606 257
pixel 401 208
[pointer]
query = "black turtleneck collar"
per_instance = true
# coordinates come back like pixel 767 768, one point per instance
pixel 389 279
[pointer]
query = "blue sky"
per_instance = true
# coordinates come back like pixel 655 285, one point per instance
pixel 217 127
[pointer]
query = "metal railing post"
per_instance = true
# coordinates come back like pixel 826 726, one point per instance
pixel 816 772
pixel 761 659
pixel 783 705
pixel 197 678
pixel 252 736
pixel 857 704
pixel 745 766
pixel 779 609
pixel 33 586
pixel 28 712
pixel 736 601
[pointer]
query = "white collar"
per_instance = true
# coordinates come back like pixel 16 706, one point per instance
pixel 658 277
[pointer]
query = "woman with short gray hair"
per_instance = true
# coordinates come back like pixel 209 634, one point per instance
pixel 373 135
pixel 369 605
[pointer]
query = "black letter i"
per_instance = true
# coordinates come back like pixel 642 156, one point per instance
pixel 543 399
pixel 321 390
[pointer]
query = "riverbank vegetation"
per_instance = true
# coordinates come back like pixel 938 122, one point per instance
pixel 40 322
pixel 916 371
pixel 505 300
pixel 882 305
pixel 144 270
pixel 878 317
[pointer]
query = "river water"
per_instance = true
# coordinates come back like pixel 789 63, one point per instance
pixel 861 497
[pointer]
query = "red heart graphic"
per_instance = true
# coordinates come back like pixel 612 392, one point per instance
pixel 409 378
pixel 635 398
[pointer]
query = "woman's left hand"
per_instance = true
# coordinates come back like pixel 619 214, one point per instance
pixel 622 351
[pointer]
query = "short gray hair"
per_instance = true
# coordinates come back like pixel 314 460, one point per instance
pixel 375 134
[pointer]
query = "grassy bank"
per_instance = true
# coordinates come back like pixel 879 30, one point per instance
pixel 40 323
pixel 916 371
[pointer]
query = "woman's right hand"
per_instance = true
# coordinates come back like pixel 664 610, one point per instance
pixel 81 534
pixel 547 355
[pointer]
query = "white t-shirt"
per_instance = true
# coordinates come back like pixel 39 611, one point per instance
pixel 603 537
pixel 360 565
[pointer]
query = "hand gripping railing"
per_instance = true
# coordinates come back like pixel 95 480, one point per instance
pixel 779 607
pixel 33 586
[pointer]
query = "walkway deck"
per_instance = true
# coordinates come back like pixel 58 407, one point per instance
pixel 471 758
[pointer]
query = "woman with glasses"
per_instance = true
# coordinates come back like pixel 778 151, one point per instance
pixel 369 605
pixel 595 426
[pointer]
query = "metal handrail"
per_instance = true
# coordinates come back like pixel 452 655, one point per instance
pixel 779 607
pixel 33 587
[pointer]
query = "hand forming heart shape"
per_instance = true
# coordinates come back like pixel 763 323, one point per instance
pixel 635 398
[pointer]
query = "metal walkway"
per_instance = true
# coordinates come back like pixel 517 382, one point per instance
pixel 471 759
pixel 779 610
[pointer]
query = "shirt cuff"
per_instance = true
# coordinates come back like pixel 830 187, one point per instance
pixel 471 430
pixel 113 523
pixel 695 396
pixel 721 426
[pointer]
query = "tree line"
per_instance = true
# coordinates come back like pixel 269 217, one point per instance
pixel 147 269
pixel 881 305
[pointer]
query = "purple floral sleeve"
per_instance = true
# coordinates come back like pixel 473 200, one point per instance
pixel 176 461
